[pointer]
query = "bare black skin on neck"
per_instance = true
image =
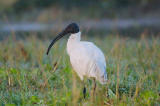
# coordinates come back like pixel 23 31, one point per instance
pixel 70 29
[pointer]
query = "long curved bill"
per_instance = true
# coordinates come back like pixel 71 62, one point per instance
pixel 59 36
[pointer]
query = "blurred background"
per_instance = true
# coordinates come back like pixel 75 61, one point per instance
pixel 102 17
pixel 127 31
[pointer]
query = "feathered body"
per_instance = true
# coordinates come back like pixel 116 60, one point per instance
pixel 86 58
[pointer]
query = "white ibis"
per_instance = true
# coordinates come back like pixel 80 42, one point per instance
pixel 86 58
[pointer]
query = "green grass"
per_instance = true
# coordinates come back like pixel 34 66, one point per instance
pixel 29 77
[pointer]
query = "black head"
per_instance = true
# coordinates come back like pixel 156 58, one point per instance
pixel 70 29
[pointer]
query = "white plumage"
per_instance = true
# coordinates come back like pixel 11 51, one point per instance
pixel 86 58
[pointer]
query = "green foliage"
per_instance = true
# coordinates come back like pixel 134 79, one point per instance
pixel 29 77
pixel 148 97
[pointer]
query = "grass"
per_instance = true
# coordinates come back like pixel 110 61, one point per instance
pixel 29 77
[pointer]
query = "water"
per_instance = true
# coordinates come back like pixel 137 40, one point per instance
pixel 121 25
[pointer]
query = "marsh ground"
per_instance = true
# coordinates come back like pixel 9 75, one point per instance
pixel 29 77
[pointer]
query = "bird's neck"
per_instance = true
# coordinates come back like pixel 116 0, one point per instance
pixel 75 37
pixel 73 40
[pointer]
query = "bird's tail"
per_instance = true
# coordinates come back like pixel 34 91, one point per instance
pixel 101 74
pixel 103 78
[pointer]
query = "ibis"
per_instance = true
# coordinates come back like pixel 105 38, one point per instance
pixel 86 58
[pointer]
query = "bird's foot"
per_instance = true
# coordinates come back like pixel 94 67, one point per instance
pixel 84 92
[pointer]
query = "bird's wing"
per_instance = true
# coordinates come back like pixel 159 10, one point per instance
pixel 94 53
pixel 96 56
pixel 87 59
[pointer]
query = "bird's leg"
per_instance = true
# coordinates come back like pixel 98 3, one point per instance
pixel 84 92
pixel 84 89
pixel 94 86
pixel 93 90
